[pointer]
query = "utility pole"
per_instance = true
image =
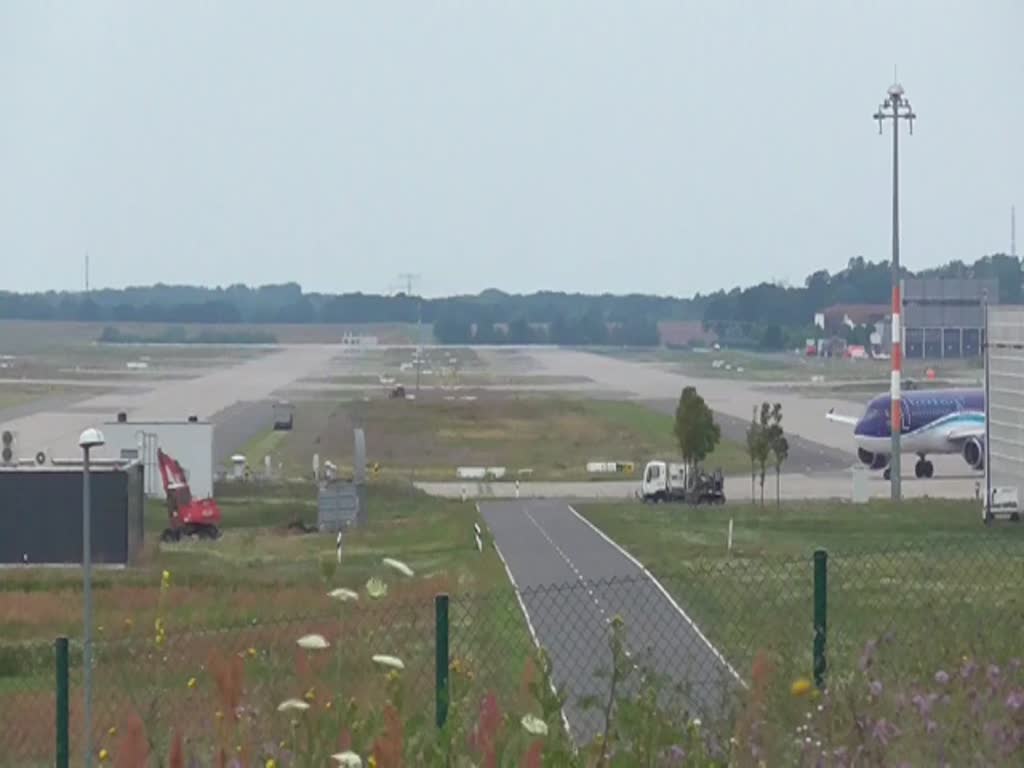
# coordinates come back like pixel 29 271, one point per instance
pixel 896 107
pixel 408 279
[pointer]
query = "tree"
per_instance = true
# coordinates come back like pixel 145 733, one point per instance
pixel 695 427
pixel 779 446
pixel 759 437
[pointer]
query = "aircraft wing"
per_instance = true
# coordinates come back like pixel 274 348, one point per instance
pixel 837 417
pixel 962 433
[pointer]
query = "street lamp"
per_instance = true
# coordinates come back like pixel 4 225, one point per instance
pixel 896 107
pixel 89 439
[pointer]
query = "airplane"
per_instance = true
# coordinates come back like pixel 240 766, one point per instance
pixel 934 422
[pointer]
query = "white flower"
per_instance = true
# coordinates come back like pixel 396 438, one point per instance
pixel 696 722
pixel 348 760
pixel 398 565
pixel 342 594
pixel 313 642
pixel 389 661
pixel 534 725
pixel 376 588
pixel 289 704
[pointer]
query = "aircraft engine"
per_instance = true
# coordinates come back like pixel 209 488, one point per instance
pixel 974 453
pixel 873 460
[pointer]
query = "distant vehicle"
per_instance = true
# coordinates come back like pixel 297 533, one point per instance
pixel 670 481
pixel 284 415
pixel 188 516
pixel 934 422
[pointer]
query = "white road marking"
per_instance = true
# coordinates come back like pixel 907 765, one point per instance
pixel 664 592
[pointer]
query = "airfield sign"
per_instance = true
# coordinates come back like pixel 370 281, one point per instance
pixel 1004 412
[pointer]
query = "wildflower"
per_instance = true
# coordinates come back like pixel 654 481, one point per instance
pixel 867 656
pixel 313 642
pixel 800 687
pixel 398 565
pixel 309 695
pixel 165 580
pixel 376 588
pixel 191 682
pixel 392 675
pixel 389 661
pixel 695 722
pixel 252 653
pixel 342 594
pixel 112 731
pixel 533 724
pixel 271 763
pixel 219 715
pixel 875 688
pixel 103 755
pixel 993 673
pixel 128 623
pixel 289 705
pixel 348 760
pixel 1015 700
pixel 372 762
pixel 941 677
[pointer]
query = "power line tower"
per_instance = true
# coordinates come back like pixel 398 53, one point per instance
pixel 407 279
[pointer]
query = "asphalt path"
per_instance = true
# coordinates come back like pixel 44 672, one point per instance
pixel 236 425
pixel 573 581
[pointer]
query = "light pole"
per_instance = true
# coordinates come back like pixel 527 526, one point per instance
pixel 896 107
pixel 90 438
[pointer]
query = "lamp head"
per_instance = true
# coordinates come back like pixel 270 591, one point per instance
pixel 91 438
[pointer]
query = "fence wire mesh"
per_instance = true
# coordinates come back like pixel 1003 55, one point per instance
pixel 693 636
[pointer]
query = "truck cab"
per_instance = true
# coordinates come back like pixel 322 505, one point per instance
pixel 671 481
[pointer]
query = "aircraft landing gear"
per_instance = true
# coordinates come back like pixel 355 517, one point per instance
pixel 923 469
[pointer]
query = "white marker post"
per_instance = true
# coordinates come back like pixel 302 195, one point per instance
pixel 730 535
pixel 339 546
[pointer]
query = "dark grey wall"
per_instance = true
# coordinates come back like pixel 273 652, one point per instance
pixel 41 516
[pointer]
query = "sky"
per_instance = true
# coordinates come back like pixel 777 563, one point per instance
pixel 595 146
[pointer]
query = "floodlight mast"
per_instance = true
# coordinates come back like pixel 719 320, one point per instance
pixel 896 107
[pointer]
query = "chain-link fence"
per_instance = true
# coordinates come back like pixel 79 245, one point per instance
pixel 700 632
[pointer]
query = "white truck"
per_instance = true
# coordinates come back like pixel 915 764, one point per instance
pixel 675 481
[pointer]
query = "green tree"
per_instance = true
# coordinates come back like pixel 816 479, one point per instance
pixel 753 438
pixel 779 446
pixel 759 444
pixel 695 427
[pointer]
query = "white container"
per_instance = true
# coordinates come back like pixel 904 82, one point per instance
pixel 189 442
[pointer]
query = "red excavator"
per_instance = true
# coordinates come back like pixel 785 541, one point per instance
pixel 189 517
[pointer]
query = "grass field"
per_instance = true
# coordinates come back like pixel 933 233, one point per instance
pixel 13 395
pixel 254 592
pixel 896 574
pixel 555 437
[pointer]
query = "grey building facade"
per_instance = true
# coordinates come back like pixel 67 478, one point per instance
pixel 944 317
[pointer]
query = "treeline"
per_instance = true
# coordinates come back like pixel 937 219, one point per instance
pixel 769 316
pixel 179 335
pixel 772 316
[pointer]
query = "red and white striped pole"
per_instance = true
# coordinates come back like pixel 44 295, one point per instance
pixel 894 108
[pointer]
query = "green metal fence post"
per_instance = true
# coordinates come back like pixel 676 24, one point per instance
pixel 820 614
pixel 441 659
pixel 63 750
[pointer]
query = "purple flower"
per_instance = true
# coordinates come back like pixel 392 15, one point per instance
pixel 882 731
pixel 993 673
pixel 931 726
pixel 1015 700
pixel 875 688
pixel 941 677
pixel 968 669
pixel 923 703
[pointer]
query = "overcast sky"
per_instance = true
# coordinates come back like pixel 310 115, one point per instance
pixel 666 147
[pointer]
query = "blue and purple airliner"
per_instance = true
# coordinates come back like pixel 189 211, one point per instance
pixel 935 421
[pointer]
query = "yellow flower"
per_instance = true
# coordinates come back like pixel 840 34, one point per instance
pixel 103 755
pixel 252 653
pixel 165 580
pixel 112 731
pixel 800 687
pixel 271 763
pixel 160 639
pixel 191 682
pixel 219 715
pixel 327 704
pixel 372 762
pixel 99 628
pixel 128 623
pixel 238 748
pixel 310 695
